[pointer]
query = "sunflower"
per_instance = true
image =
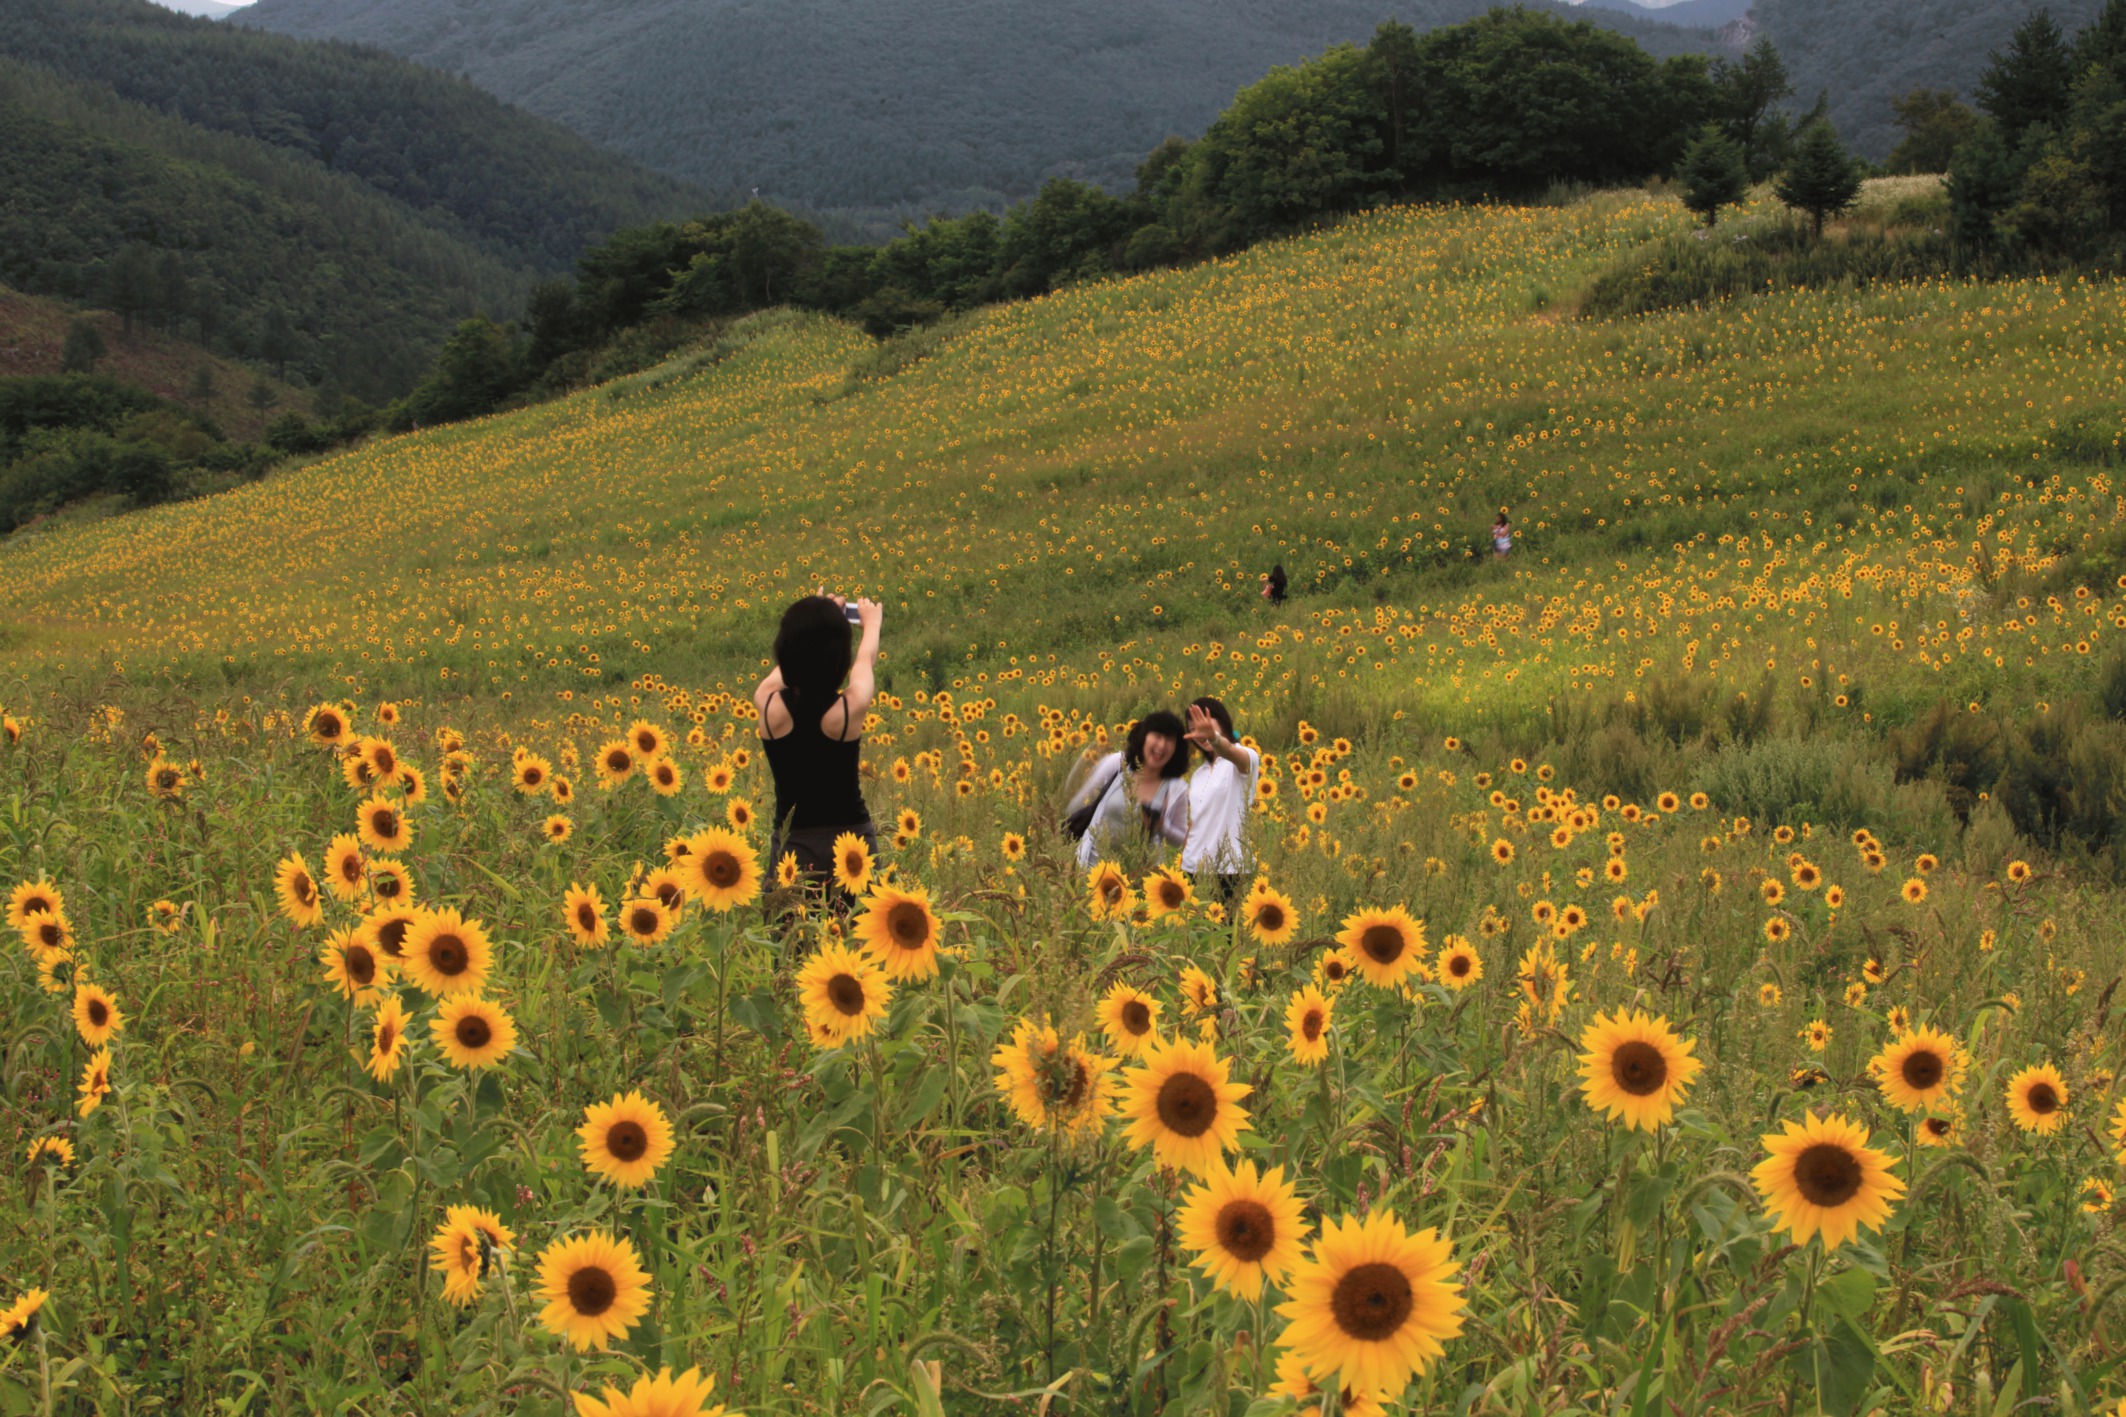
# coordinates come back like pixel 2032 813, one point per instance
pixel 385 931
pixel 382 825
pixel 1372 1303
pixel 96 1015
pixel 844 993
pixel 1939 1131
pixel 668 888
pixel 1817 1034
pixel 388 1039
pixel 1180 1103
pixel 345 870
pixel 1334 969
pixel 381 758
pixel 1199 992
pixel 297 891
pixel 595 1289
pixel 718 778
pixel 584 910
pixel 563 791
pixel 738 813
pixel 2118 1129
pixel 353 966
pixel 647 739
pixel 787 871
pixel 2037 1099
pixel 38 897
pixel 665 1395
pixel 852 863
pixel 557 828
pixel 1307 1020
pixel 1502 852
pixel 664 776
pixel 1292 1381
pixel 166 780
pixel 645 921
pixel 1270 916
pixel 1166 890
pixel 721 870
pixel 1385 944
pixel 909 823
pixel 95 1082
pixel 59 1149
pixel 1459 965
pixel 1244 1227
pixel 1049 1084
pixel 447 954
pixel 1014 847
pixel 473 1033
pixel 532 775
pixel 328 725
pixel 1636 1069
pixel 1920 1070
pixel 1108 892
pixel 616 763
pixel 1822 1178
pixel 625 1140
pixel 898 930
pixel 1130 1019
pixel 389 881
pixel 16 1318
pixel 468 1243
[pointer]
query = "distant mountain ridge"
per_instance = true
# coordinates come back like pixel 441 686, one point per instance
pixel 1703 14
pixel 878 103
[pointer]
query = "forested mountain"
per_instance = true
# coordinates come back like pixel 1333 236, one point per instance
pixel 872 103
pixel 1708 13
pixel 1863 53
pixel 325 210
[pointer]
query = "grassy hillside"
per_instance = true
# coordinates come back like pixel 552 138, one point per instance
pixel 33 338
pixel 1797 721
pixel 880 105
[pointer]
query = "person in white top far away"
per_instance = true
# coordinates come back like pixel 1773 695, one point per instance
pixel 1220 796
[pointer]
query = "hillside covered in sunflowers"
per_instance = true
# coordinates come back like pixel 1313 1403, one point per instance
pixel 1679 972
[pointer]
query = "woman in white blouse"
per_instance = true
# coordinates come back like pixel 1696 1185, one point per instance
pixel 1141 788
pixel 1220 795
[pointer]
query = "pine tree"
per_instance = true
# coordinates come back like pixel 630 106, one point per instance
pixel 1821 179
pixel 2029 83
pixel 1713 173
pixel 83 348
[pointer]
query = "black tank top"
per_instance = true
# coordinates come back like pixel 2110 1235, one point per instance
pixel 815 776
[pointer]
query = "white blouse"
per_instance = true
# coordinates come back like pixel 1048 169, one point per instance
pixel 1117 815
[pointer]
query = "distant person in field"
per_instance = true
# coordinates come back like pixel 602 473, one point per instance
pixel 1273 585
pixel 1219 797
pixel 1138 792
pixel 1502 536
pixel 812 707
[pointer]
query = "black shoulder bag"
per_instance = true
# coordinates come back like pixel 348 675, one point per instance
pixel 1078 823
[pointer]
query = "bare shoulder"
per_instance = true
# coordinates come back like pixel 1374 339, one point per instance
pixel 774 715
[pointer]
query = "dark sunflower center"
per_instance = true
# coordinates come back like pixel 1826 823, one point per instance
pixel 853 864
pixel 908 924
pixel 1170 894
pixel 474 1032
pixel 586 918
pixel 1937 1127
pixel 591 1292
pixel 1827 1174
pixel 1068 1084
pixel 387 1038
pixel 1383 944
pixel 1137 1017
pixel 2041 1099
pixel 669 893
pixel 1187 1104
pixel 1923 1069
pixel 448 956
pixel 386 885
pixel 1458 966
pixel 1110 890
pixel 533 777
pixel 721 870
pixel 1639 1068
pixel 391 936
pixel 329 725
pixel 1371 1302
pixel 846 993
pixel 385 823
pixel 350 868
pixel 617 762
pixel 1333 970
pixel 304 891
pixel 98 1014
pixel 1245 1230
pixel 166 778
pixel 361 965
pixel 644 743
pixel 1269 917
pixel 643 922
pixel 1310 1025
pixel 627 1141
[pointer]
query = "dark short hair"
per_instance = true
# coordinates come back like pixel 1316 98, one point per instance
pixel 813 649
pixel 1216 709
pixel 1159 721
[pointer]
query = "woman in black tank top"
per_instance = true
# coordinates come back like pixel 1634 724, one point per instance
pixel 811 728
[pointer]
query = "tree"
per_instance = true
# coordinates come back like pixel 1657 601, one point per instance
pixel 2029 83
pixel 479 368
pixel 129 284
pixel 1936 123
pixel 1822 179
pixel 1984 178
pixel 1713 173
pixel 83 348
pixel 263 395
pixel 201 390
pixel 1747 92
pixel 770 252
pixel 173 292
pixel 277 341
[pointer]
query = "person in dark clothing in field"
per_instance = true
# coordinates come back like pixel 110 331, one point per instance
pixel 812 707
pixel 1273 585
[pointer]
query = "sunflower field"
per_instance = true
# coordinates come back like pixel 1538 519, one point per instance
pixel 1679 974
